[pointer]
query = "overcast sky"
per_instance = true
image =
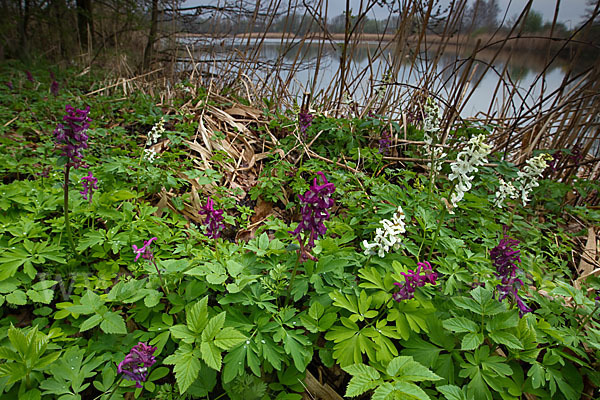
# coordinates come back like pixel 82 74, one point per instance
pixel 570 11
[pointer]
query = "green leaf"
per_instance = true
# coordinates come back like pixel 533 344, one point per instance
pixel 228 338
pixel 234 268
pixel 471 341
pixel 213 327
pixel 211 355
pixel 537 375
pixel 384 392
pixel 197 315
pixel 507 339
pixel 91 300
pixel 90 323
pixel 182 332
pixel 186 366
pixel 43 296
pixel 18 297
pixel 405 368
pixel 91 239
pixel 452 392
pixel 152 298
pixel 47 360
pixel 411 390
pixel 296 345
pixel 364 378
pixel 460 324
pixel 113 323
pixel 18 340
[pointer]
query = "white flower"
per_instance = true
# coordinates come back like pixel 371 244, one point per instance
pixel 528 178
pixel 155 133
pixel 505 190
pixel 466 164
pixel 388 237
pixel 431 128
pixel 149 155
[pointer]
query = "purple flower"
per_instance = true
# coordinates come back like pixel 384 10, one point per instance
pixel 72 136
pixel 51 74
pixel 54 88
pixel 145 251
pixel 556 157
pixel 384 143
pixel 576 154
pixel 89 183
pixel 505 258
pixel 214 219
pixel 315 201
pixel 9 85
pixel 136 364
pixel 305 121
pixel 29 76
pixel 414 279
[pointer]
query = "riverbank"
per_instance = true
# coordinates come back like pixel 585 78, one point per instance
pixel 524 42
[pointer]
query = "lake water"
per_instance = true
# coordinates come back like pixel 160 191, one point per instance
pixel 292 65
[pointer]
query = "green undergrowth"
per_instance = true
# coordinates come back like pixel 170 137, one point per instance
pixel 248 319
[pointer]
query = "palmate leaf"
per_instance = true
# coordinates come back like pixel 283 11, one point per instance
pixel 296 345
pixel 186 366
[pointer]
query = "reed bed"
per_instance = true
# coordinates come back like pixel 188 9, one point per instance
pixel 523 119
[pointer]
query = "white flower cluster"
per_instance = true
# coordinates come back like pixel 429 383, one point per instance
pixel 466 163
pixel 388 237
pixel 505 190
pixel 431 128
pixel 155 133
pixel 149 155
pixel 528 178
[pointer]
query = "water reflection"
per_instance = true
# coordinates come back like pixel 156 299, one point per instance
pixel 294 63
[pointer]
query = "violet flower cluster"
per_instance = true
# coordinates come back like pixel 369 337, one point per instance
pixel 54 88
pixel 384 143
pixel 304 121
pixel 90 183
pixel 9 85
pixel 414 279
pixel 72 135
pixel 505 257
pixel 145 251
pixel 214 219
pixel 29 76
pixel 315 203
pixel 137 362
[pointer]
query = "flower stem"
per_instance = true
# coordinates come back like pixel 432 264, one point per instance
pixel 162 283
pixel 287 296
pixel 585 321
pixel 66 208
pixel 437 231
pixel 113 391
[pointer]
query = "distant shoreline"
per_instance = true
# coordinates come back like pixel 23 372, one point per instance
pixel 533 42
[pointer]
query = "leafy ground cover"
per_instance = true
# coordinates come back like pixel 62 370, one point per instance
pixel 197 247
